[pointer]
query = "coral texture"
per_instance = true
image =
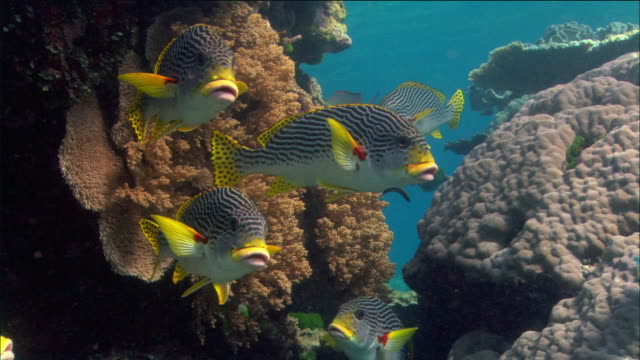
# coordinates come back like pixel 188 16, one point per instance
pixel 601 322
pixel 130 181
pixel 514 214
pixel 525 68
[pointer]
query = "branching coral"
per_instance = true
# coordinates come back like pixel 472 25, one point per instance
pixel 158 177
pixel 355 242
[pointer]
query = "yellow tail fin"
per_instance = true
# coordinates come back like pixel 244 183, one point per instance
pixel 457 102
pixel 223 157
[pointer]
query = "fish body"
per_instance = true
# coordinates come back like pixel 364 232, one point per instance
pixel 219 234
pixel 347 148
pixel 192 81
pixel 425 107
pixel 365 328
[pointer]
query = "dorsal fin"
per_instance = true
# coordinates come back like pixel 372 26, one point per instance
pixel 161 57
pixel 440 95
pixel 186 204
pixel 264 138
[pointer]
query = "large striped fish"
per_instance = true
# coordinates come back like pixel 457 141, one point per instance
pixel 365 328
pixel 425 107
pixel 348 148
pixel 218 234
pixel 192 81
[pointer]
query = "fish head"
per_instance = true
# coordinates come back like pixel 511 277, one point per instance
pixel 359 325
pixel 403 157
pixel 202 63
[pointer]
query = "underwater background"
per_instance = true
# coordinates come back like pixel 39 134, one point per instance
pixel 529 248
pixel 438 44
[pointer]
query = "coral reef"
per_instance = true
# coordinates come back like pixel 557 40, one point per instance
pixel 514 218
pixel 130 181
pixel 478 345
pixel 525 68
pixel 601 322
pixel 317 26
pixel 573 31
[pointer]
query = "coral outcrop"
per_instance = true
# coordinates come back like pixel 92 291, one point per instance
pixel 514 216
pixel 317 27
pixel 526 68
pixel 129 180
pixel 601 322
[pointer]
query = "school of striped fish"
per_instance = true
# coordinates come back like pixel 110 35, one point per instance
pixel 220 234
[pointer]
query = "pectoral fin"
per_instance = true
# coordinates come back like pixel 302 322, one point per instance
pixel 154 85
pixel 223 290
pixel 183 239
pixel 422 114
pixel 346 150
pixel 395 340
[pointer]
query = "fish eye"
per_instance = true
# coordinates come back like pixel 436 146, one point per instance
pixel 403 142
pixel 359 314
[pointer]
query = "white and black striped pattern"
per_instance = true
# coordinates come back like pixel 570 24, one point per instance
pixel 308 138
pixel 225 215
pixel 411 98
pixel 374 318
pixel 194 52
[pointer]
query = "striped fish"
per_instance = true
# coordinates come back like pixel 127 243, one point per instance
pixel 192 81
pixel 425 107
pixel 367 329
pixel 347 148
pixel 218 234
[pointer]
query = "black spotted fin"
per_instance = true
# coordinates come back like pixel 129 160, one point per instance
pixel 281 185
pixel 457 103
pixel 151 232
pixel 179 273
pixel 346 151
pixel 223 154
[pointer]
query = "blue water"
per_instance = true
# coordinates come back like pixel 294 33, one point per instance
pixel 438 44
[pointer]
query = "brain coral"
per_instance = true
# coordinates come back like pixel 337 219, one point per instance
pixel 513 213
pixel 601 322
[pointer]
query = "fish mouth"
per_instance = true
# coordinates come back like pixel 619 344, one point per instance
pixel 225 90
pixel 253 256
pixel 425 171
pixel 339 331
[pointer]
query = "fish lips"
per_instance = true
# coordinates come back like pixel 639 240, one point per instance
pixel 339 332
pixel 424 172
pixel 223 90
pixel 253 256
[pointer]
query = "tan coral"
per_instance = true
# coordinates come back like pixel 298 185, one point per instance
pixel 355 241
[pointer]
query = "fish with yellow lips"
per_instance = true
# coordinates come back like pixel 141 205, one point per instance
pixel 192 81
pixel 218 234
pixel 346 148
pixel 365 328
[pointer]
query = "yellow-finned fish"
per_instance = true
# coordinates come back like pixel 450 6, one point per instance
pixel 192 81
pixel 347 148
pixel 218 234
pixel 425 107
pixel 6 349
pixel 367 329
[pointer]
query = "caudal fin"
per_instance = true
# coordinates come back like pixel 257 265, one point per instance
pixel 456 103
pixel 224 150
